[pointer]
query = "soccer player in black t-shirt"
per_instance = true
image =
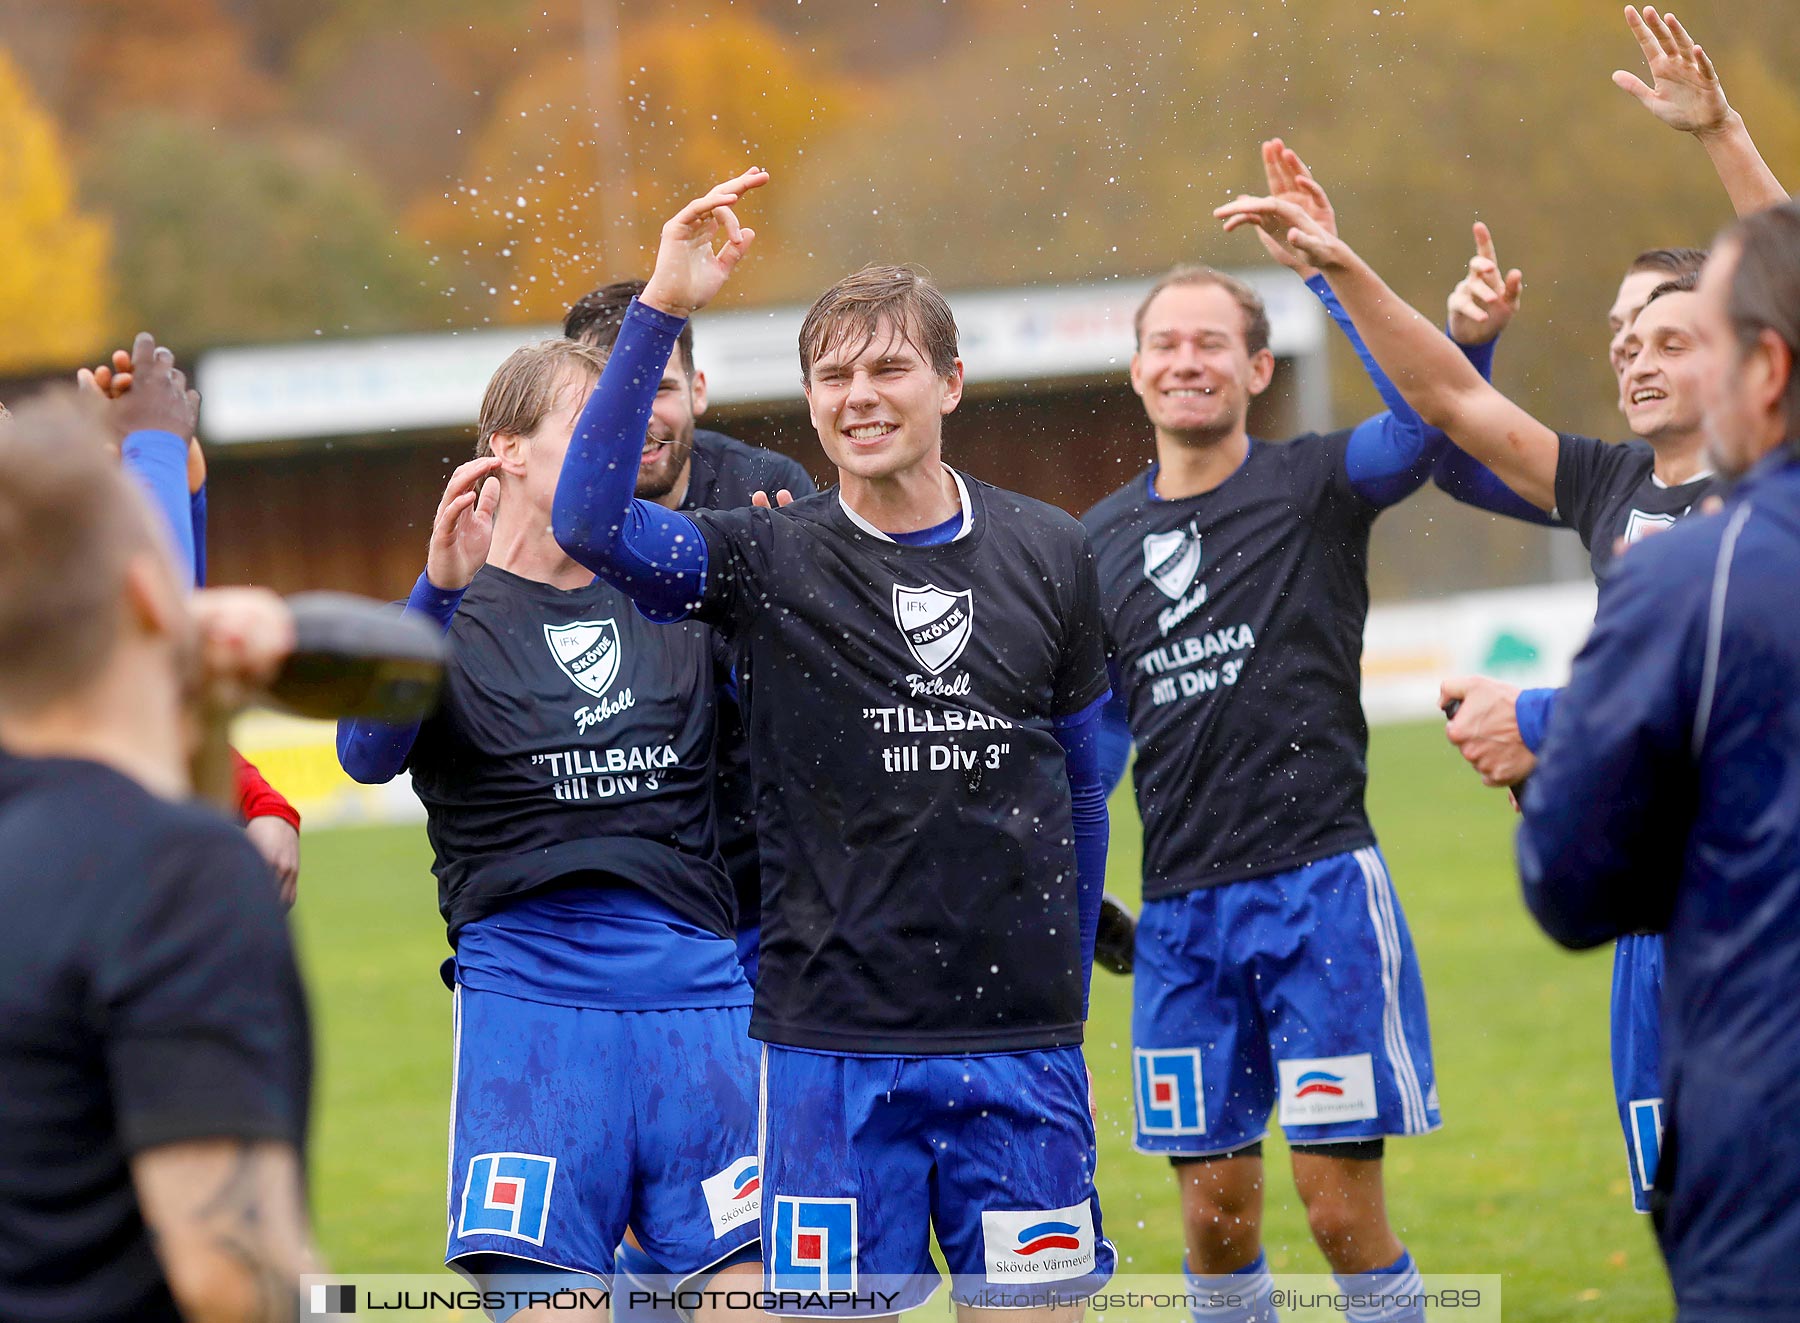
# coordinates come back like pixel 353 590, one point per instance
pixel 604 1073
pixel 1274 969
pixel 686 467
pixel 153 1037
pixel 921 664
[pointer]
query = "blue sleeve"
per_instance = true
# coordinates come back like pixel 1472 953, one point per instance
pixel 1468 480
pixel 158 460
pixel 374 752
pixel 654 556
pixel 1115 734
pixel 1603 832
pixel 1390 455
pixel 197 519
pixel 1079 736
pixel 1532 712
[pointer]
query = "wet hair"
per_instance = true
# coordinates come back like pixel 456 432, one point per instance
pixel 856 308
pixel 1676 263
pixel 1765 290
pixel 596 317
pixel 1686 283
pixel 1256 314
pixel 524 389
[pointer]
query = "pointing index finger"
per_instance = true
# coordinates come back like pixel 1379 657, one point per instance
pixel 1484 243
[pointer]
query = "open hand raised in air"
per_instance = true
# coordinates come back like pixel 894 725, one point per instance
pixel 1290 180
pixel 1290 226
pixel 689 273
pixel 1684 91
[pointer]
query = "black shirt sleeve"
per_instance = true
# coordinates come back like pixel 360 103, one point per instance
pixel 200 1003
pixel 1081 674
pixel 733 540
pixel 790 474
pixel 1585 478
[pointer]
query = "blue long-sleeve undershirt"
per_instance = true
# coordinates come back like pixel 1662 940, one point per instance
pixel 1389 456
pixel 374 752
pixel 1081 740
pixel 197 521
pixel 654 556
pixel 1532 711
pixel 1115 733
pixel 158 461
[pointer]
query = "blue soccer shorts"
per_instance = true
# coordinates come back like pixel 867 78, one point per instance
pixel 864 1156
pixel 1637 1056
pixel 568 1124
pixel 1298 993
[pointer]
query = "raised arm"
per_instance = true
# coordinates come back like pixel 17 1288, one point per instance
pixel 1390 455
pixel 147 400
pixel 1433 375
pixel 1685 93
pixel 655 556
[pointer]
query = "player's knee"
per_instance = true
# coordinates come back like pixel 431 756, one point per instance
pixel 1343 1228
pixel 1221 1209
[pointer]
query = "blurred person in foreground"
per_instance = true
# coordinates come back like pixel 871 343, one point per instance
pixel 153 1033
pixel 1668 797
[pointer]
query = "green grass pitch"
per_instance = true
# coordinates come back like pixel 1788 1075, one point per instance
pixel 1526 1179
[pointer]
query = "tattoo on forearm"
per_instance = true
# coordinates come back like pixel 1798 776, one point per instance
pixel 238 1225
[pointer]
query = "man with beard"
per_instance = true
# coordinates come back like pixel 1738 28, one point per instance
pixel 1612 495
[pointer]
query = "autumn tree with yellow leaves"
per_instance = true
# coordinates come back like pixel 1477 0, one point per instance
pixel 54 287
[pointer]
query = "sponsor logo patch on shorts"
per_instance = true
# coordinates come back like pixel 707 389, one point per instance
pixel 813 1245
pixel 1169 1100
pixel 1323 1090
pixel 1050 1245
pixel 507 1194
pixel 734 1196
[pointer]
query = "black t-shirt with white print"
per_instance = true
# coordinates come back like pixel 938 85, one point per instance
pixel 1235 621
pixel 1610 496
pixel 573 743
pixel 913 807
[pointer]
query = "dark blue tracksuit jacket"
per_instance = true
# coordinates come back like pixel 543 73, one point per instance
pixel 1668 797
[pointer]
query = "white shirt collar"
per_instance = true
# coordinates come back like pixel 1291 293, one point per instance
pixel 1658 482
pixel 962 495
